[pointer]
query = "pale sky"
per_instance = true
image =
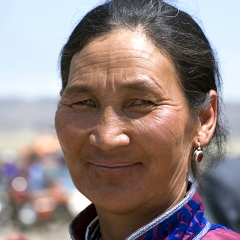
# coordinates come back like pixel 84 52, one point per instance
pixel 33 33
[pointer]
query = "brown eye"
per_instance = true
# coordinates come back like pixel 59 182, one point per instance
pixel 141 102
pixel 88 102
pixel 84 103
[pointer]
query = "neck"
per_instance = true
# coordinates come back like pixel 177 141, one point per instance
pixel 118 226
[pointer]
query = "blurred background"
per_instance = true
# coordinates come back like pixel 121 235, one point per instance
pixel 37 197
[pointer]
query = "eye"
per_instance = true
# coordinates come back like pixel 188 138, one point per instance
pixel 140 103
pixel 139 107
pixel 87 102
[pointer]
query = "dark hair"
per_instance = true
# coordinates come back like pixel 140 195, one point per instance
pixel 173 32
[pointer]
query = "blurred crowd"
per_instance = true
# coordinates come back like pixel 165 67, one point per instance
pixel 35 189
pixel 35 186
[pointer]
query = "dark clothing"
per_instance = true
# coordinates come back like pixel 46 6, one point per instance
pixel 184 221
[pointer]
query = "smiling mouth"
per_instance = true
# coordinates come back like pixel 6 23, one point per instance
pixel 114 169
pixel 113 165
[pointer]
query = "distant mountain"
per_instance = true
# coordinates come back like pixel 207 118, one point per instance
pixel 32 115
pixel 38 116
pixel 18 114
pixel 232 114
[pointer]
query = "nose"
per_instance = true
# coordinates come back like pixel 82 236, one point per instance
pixel 108 133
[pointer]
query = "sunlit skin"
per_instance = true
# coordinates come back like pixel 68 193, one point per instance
pixel 125 129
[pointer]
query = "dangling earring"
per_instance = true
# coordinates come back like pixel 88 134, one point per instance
pixel 198 154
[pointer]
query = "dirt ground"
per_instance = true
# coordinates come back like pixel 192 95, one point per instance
pixel 50 231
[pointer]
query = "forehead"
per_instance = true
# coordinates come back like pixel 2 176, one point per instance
pixel 120 57
pixel 130 47
pixel 133 42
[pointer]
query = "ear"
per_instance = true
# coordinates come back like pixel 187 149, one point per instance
pixel 207 119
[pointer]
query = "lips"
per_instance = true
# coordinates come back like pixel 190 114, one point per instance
pixel 114 169
pixel 113 164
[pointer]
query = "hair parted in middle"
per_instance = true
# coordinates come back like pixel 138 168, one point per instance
pixel 172 31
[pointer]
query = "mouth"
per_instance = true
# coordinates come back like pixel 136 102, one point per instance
pixel 113 165
pixel 114 168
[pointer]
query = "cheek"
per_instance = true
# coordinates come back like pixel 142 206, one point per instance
pixel 164 135
pixel 70 132
pixel 72 139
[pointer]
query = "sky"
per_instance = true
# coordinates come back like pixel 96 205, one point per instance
pixel 33 33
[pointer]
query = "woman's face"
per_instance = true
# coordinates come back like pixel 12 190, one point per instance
pixel 124 125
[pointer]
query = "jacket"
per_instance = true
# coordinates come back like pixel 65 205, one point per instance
pixel 183 221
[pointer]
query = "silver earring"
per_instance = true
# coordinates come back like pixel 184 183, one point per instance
pixel 198 154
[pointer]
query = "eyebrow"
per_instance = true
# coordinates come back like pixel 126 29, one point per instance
pixel 141 86
pixel 75 89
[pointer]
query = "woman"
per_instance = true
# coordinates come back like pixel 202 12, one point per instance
pixel 139 101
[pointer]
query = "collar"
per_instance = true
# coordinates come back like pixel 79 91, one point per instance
pixel 93 231
pixel 183 221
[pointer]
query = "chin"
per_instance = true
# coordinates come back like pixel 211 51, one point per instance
pixel 114 198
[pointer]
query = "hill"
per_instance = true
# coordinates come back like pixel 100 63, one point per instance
pixel 22 121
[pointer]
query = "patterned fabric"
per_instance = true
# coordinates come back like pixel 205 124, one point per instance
pixel 184 221
pixel 93 230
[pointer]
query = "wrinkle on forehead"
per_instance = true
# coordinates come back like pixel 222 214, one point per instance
pixel 114 47
pixel 123 54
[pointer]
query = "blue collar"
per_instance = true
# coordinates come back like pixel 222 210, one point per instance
pixel 184 220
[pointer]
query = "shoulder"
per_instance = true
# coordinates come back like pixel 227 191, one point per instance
pixel 221 233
